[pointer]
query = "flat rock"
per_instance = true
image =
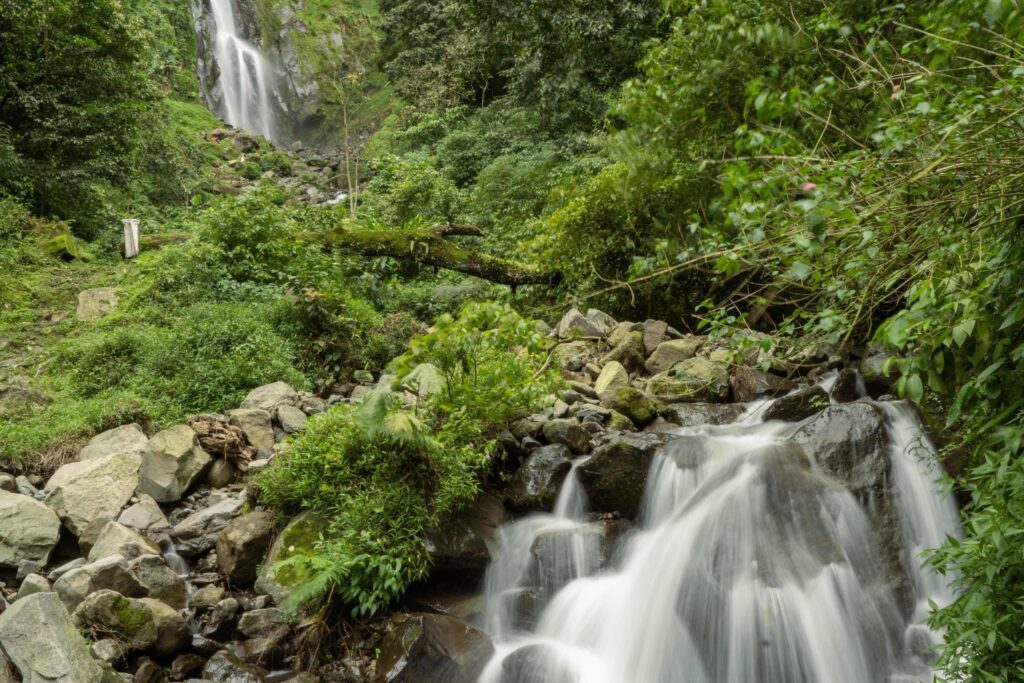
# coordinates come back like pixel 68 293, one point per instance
pixel 109 573
pixel 270 396
pixel 127 438
pixel 118 540
pixel 144 515
pixel 198 532
pixel 29 530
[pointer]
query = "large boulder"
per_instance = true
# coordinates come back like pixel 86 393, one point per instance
pixel 849 443
pixel 697 414
pixel 109 614
pixel 463 545
pixel 117 540
pixel 432 648
pixel 29 530
pixel 291 419
pixel 111 573
pixel 797 406
pixel 535 484
pixel 629 352
pixel 197 533
pixel 39 638
pixel 257 426
pixel 173 465
pixel 669 353
pixel 270 396
pixel 95 303
pixel 612 379
pixel 575 324
pixel 615 474
pixel 879 373
pixel 567 431
pixel 160 581
pixel 127 438
pixel 694 379
pixel 298 538
pixel 172 632
pixel 242 545
pixel 749 383
pixel 144 515
pixel 634 404
pixel 80 492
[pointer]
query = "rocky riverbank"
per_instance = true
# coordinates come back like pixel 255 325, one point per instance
pixel 147 559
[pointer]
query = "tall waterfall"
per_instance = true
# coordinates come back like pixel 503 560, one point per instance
pixel 244 84
pixel 750 565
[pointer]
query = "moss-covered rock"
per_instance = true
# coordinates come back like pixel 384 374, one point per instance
pixel 108 614
pixel 694 379
pixel 635 405
pixel 297 539
pixel 616 473
pixel 629 352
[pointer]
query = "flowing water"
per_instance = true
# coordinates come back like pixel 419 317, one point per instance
pixel 245 79
pixel 749 565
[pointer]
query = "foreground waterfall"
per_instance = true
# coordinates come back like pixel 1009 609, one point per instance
pixel 243 91
pixel 755 561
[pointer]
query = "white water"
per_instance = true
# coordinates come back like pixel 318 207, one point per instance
pixel 245 78
pixel 749 566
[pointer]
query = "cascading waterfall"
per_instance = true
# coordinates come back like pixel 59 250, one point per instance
pixel 245 79
pixel 750 565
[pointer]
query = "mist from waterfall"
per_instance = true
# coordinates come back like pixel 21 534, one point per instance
pixel 245 80
pixel 750 564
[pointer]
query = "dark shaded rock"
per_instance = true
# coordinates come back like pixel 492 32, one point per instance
pixel 567 431
pixel 749 383
pixel 462 545
pixel 629 352
pixel 797 406
pixel 185 665
pixel 849 442
pixel 242 545
pixel 225 667
pixel 432 648
pixel 536 663
pixel 615 474
pixel 878 379
pixel 696 414
pixel 845 389
pixel 535 484
pixel 298 538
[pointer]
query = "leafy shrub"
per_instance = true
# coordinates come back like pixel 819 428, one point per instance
pixel 403 189
pixel 278 162
pixel 250 170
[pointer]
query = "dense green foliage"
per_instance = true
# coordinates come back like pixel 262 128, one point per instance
pixel 386 471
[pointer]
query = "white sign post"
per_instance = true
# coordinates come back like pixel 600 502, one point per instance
pixel 131 237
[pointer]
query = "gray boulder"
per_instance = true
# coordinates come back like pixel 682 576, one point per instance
pixel 615 474
pixel 40 639
pixel 127 438
pixel 567 431
pixel 224 667
pixel 32 584
pixel 749 383
pixel 242 545
pixel 257 425
pixel 673 351
pixel 107 613
pixel 262 623
pixel 575 324
pixel 693 379
pixel 535 484
pixel 80 492
pixel 175 463
pixel 291 419
pixel 613 378
pixel 29 530
pixel 629 352
pixel 172 633
pixel 797 406
pixel 197 533
pixel 160 581
pixel 144 515
pixel 111 573
pixel 270 396
pixel 120 541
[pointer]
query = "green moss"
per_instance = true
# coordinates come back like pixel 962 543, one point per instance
pixel 131 618
pixel 635 405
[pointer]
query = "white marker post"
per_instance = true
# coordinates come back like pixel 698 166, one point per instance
pixel 131 237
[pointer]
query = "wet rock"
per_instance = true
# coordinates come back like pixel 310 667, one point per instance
pixel 225 667
pixel 567 431
pixel 797 406
pixel 846 388
pixel 879 373
pixel 41 641
pixel 197 533
pixel 111 573
pixel 95 303
pixel 535 484
pixel 533 663
pixel 749 383
pixel 696 414
pixel 257 426
pixel 629 352
pixel 172 633
pixel 111 614
pixel 615 474
pixel 613 378
pixel 694 379
pixel 127 438
pixel 80 492
pixel 669 353
pixel 262 623
pixel 575 324
pixel 298 538
pixel 242 545
pixel 432 648
pixel 291 419
pixel 185 665
pixel 29 530
pixel 175 463
pixel 144 515
pixel 634 404
pixel 118 540
pixel 270 396
pixel 160 581
pixel 463 545
pixel 849 442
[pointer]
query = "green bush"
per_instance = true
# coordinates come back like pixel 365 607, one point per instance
pixel 250 170
pixel 403 189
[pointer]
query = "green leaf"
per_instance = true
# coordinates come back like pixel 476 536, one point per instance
pixel 914 388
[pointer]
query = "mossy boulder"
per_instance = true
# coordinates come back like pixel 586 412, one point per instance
pixel 108 614
pixel 297 539
pixel 615 474
pixel 673 351
pixel 635 405
pixel 629 352
pixel 694 379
